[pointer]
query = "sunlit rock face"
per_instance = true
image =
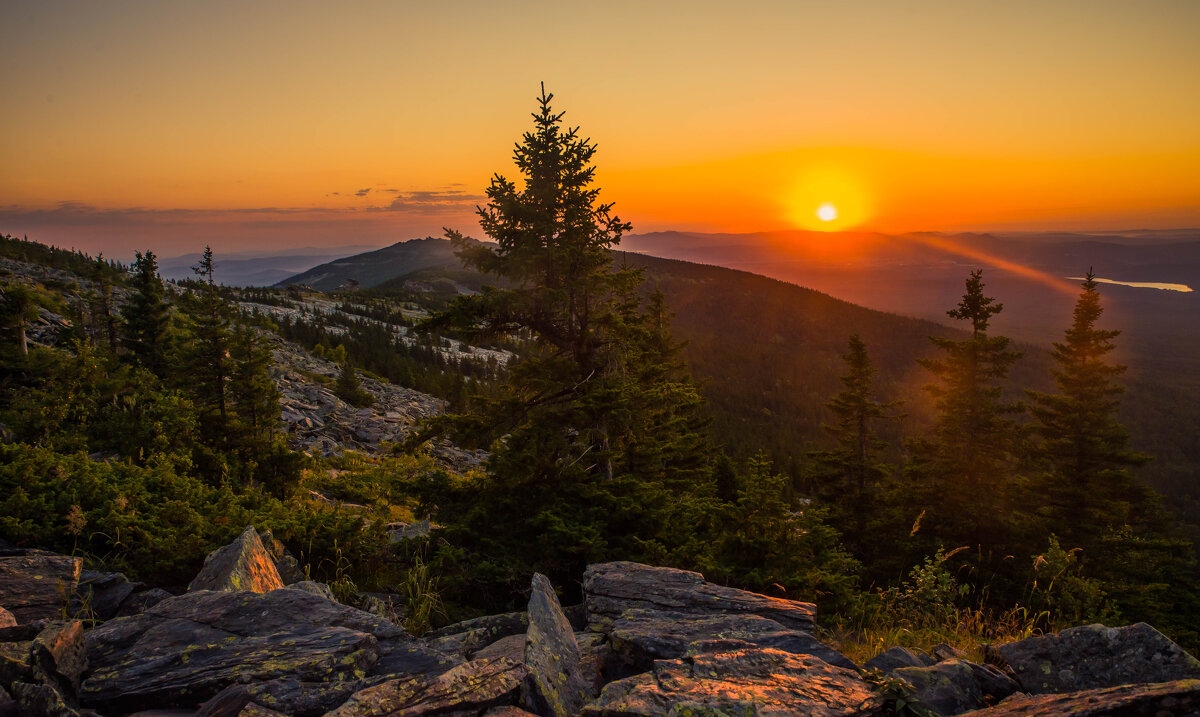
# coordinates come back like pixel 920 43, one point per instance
pixel 1179 697
pixel 739 680
pixel 244 564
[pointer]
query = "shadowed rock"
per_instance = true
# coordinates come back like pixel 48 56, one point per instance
pixel 58 656
pixel 184 650
pixel 38 585
pixel 286 565
pixel 100 595
pixel 897 657
pixel 470 635
pixel 244 564
pixel 1094 656
pixel 952 687
pixel 643 636
pixel 8 707
pixel 739 681
pixel 139 602
pixel 287 695
pixel 309 586
pixel 557 687
pixel 37 700
pixel 512 647
pixel 1179 697
pixel 612 588
pixel 467 689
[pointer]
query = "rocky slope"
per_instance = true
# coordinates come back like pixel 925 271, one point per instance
pixel 249 638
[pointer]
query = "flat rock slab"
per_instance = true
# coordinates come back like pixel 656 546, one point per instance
pixel 244 564
pixel 896 657
pixel 287 695
pixel 557 685
pixel 38 585
pixel 468 689
pixel 643 636
pixel 749 681
pixel 1093 657
pixel 612 588
pixel 185 649
pixel 1163 699
pixel 952 687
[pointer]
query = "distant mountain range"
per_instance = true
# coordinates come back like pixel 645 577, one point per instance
pixel 256 268
pixel 375 267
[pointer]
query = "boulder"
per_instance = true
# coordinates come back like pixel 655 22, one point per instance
pixel 184 650
pixel 508 711
pixel 739 680
pixel 38 700
pixel 612 588
pixel 598 663
pixel 1093 657
pixel 952 687
pixel 6 618
pixel 38 585
pixel 493 627
pixel 8 707
pixel 139 602
pixel 896 657
pixel 469 688
pixel 512 647
pixel 556 684
pixel 1179 697
pixel 643 636
pixel 406 655
pixel 244 564
pixel 99 595
pixel 58 656
pixel 287 695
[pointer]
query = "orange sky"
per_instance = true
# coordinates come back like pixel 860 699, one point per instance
pixel 248 125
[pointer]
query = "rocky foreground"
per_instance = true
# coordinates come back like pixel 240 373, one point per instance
pixel 250 637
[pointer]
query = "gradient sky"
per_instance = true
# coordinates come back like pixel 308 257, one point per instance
pixel 274 124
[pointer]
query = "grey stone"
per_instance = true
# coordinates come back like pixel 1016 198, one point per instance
pixel 7 619
pixel 1093 657
pixel 99 595
pixel 954 686
pixel 468 689
pixel 557 686
pixel 612 588
pixel 38 585
pixel 310 586
pixel 286 695
pixel 643 636
pixel 896 657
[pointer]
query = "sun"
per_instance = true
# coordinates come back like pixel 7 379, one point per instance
pixel 827 212
pixel 826 198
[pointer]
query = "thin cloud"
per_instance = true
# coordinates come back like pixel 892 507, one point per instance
pixel 441 201
pixel 362 192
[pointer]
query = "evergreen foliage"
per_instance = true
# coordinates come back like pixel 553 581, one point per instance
pixel 146 316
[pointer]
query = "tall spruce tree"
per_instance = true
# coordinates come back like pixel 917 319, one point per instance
pixel 1081 440
pixel 596 427
pixel 145 316
pixel 208 355
pixel 971 469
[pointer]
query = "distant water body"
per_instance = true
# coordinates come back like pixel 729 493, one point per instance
pixel 1140 284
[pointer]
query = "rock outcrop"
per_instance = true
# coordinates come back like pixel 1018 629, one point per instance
pixel 557 686
pixel 244 564
pixel 1092 657
pixel 1179 698
pixel 955 686
pixel 184 650
pixel 739 680
pixel 612 588
pixel 469 688
pixel 36 585
pixel 643 636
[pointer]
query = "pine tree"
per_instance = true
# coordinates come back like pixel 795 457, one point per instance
pixel 252 394
pixel 974 437
pixel 1081 440
pixel 348 388
pixel 208 354
pixel 146 315
pixel 596 426
pixel 103 316
pixel 19 304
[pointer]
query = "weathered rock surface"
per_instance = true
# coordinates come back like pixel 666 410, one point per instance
pixel 897 657
pixel 184 650
pixel 471 635
pixel 1178 698
pixel 58 656
pixel 286 695
pixel 285 564
pixel 507 711
pixel 38 700
pixel 739 681
pixel 7 619
pixel 467 689
pixel 511 647
pixel 8 707
pixel 955 686
pixel 36 585
pixel 1094 656
pixel 612 588
pixel 643 636
pixel 244 564
pixel 139 602
pixel 557 686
